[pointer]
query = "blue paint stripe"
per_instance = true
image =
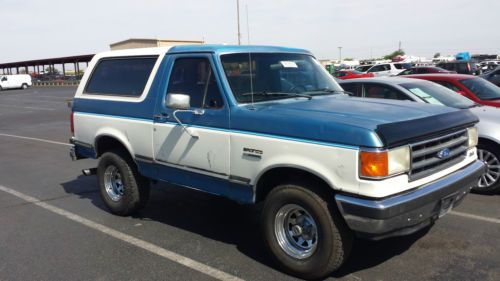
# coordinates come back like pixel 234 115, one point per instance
pixel 230 131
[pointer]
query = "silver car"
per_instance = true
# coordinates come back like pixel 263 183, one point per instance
pixel 417 90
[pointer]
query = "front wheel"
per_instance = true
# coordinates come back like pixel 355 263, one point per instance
pixel 122 188
pixel 489 182
pixel 303 232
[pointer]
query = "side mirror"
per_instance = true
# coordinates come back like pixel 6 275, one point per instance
pixel 178 101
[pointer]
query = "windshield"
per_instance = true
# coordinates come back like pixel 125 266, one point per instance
pixel 276 76
pixel 483 89
pixel 436 94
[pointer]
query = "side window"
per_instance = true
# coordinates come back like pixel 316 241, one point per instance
pixel 383 92
pixel 448 85
pixel 387 67
pixel 194 77
pixel 352 88
pixel 377 68
pixel 121 76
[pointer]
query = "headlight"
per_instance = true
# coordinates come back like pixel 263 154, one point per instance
pixel 382 164
pixel 473 137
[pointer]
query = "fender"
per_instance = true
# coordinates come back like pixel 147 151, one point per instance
pixel 116 134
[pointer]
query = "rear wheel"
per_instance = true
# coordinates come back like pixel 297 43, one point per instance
pixel 24 86
pixel 489 182
pixel 303 232
pixel 122 188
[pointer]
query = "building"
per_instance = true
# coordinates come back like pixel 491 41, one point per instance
pixel 134 43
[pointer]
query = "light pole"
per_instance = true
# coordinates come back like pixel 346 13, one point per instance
pixel 340 55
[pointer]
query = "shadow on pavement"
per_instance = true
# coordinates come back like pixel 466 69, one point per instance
pixel 223 220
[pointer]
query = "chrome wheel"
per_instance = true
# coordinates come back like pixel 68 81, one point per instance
pixel 113 183
pixel 492 174
pixel 296 231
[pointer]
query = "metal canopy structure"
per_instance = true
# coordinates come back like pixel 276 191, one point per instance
pixel 8 68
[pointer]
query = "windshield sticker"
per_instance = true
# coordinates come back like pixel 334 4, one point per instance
pixel 425 96
pixel 289 64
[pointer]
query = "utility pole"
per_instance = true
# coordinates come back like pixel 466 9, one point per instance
pixel 340 54
pixel 399 49
pixel 238 16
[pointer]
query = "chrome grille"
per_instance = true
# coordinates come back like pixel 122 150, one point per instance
pixel 437 154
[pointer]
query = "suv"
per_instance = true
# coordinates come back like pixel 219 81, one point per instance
pixel 269 125
pixel 388 69
pixel 461 67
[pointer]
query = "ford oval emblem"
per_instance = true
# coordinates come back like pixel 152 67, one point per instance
pixel 445 153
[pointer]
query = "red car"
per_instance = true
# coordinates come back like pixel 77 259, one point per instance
pixel 475 88
pixel 351 74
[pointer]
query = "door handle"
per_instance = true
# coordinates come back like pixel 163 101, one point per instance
pixel 160 117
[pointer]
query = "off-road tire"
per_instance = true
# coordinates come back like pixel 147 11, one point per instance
pixel 135 187
pixel 334 238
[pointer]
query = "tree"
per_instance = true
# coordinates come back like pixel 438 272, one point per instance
pixel 348 59
pixel 437 55
pixel 394 54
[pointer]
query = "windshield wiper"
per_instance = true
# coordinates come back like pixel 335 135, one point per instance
pixel 330 91
pixel 268 94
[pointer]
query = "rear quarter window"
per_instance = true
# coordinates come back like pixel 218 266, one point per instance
pixel 121 76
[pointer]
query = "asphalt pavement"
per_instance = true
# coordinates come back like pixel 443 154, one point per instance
pixel 54 226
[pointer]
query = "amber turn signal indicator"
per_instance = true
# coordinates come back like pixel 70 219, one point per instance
pixel 374 164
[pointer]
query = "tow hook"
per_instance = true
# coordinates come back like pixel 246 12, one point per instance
pixel 89 172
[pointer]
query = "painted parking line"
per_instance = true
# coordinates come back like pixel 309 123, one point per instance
pixel 27 107
pixel 476 217
pixel 152 248
pixel 35 139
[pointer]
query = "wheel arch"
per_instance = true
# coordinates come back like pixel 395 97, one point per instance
pixel 106 141
pixel 279 174
pixel 484 139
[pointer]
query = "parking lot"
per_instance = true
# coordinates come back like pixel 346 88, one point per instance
pixel 54 226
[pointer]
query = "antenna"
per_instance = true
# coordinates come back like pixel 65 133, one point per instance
pixel 251 76
pixel 238 16
pixel 248 26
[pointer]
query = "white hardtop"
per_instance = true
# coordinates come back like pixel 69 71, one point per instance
pixel 133 52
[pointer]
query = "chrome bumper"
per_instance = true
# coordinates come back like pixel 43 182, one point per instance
pixel 406 213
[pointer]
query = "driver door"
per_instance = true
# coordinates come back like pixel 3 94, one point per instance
pixel 208 151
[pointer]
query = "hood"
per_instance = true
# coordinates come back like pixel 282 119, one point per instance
pixel 342 119
pixel 489 122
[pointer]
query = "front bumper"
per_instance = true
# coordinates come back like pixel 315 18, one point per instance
pixel 406 213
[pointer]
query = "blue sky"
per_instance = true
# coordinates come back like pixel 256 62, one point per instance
pixel 40 29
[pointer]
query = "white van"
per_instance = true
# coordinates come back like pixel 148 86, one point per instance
pixel 19 81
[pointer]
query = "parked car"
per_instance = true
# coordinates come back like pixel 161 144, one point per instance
pixel 351 74
pixel 472 87
pixel 424 70
pixel 271 126
pixel 388 69
pixel 363 68
pixel 17 81
pixel 427 92
pixel 493 76
pixel 461 67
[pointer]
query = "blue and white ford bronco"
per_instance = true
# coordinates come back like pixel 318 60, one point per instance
pixel 269 125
